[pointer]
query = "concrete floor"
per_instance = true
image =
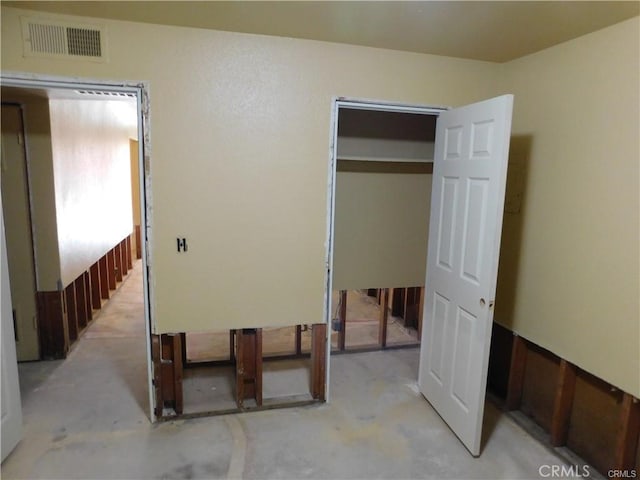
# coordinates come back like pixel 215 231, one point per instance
pixel 86 418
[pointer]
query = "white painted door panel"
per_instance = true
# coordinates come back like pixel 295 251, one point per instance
pixel 469 178
pixel 11 424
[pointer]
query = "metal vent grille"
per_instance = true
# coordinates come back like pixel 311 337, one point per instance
pixel 86 43
pixel 45 38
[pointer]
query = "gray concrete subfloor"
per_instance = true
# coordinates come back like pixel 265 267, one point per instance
pixel 86 418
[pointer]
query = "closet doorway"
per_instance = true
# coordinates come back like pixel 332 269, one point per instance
pixel 384 167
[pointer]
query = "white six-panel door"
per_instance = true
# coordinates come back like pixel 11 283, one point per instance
pixel 469 177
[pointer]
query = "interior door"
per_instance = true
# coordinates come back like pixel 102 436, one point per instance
pixel 469 177
pixel 11 426
pixel 17 220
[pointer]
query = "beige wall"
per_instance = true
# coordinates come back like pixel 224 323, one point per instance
pixel 92 176
pixel 569 277
pixel 226 174
pixel 381 229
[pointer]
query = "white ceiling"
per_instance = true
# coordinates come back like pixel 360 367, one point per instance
pixel 493 31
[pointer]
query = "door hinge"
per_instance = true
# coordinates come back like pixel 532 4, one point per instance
pixel 20 138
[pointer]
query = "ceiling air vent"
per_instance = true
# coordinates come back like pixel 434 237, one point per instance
pixel 54 39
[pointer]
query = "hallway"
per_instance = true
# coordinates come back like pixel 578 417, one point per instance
pixel 86 418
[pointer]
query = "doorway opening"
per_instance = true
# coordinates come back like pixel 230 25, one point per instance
pixel 85 175
pixel 380 192
pixel 470 155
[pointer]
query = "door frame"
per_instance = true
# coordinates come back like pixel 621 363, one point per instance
pixel 141 90
pixel 360 104
pixel 29 201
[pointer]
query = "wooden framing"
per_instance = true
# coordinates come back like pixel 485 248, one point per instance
pixel 589 416
pixel 166 351
pixel 298 339
pixel 129 254
pixel 563 402
pixel 411 306
pixel 342 315
pixel 628 431
pixel 96 289
pixel 111 270
pixel 138 242
pixel 540 385
pixel 156 358
pixel 248 366
pixel 516 373
pixel 384 317
pixel 103 271
pixel 123 253
pixel 72 315
pixel 117 252
pixel 87 295
pixel 81 302
pixel 421 313
pixel 232 345
pixel 52 325
pixel 397 302
pixel 318 361
pixel 183 350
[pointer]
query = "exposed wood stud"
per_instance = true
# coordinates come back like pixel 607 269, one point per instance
pixel 384 317
pixel 342 315
pixel 516 373
pixel 171 369
pixel 81 303
pixel 411 306
pixel 157 374
pixel 248 365
pixel 117 252
pixel 111 270
pixel 129 254
pixel 183 343
pixel 420 313
pixel 563 402
pixel 96 289
pixel 52 325
pixel 318 361
pixel 138 243
pixel 87 295
pixel 240 368
pixel 177 373
pixel 258 371
pixel 124 262
pixel 103 269
pixel 72 316
pixel 298 339
pixel 397 302
pixel 628 431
